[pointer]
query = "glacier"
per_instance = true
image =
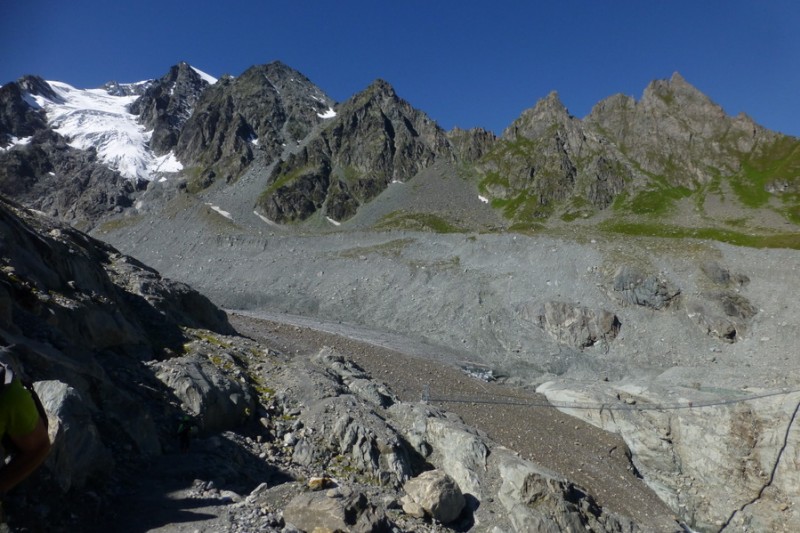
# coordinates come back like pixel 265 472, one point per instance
pixel 93 118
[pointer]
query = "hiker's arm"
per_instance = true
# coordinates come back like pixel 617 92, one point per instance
pixel 33 449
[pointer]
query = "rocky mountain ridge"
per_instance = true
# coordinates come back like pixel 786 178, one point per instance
pixel 636 162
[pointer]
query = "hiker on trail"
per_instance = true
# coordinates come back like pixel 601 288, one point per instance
pixel 185 426
pixel 23 429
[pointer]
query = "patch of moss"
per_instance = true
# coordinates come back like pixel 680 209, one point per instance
pixel 578 207
pixel 222 363
pixel 286 179
pixel 213 340
pixel 657 201
pixel 781 240
pixel 527 228
pixel 120 223
pixel 198 179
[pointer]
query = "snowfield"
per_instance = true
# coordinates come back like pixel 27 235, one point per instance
pixel 92 118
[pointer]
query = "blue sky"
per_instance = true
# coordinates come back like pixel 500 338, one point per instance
pixel 465 63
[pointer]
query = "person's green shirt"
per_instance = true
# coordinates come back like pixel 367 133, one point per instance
pixel 18 413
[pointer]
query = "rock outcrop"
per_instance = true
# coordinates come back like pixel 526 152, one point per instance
pixel 634 287
pixel 168 103
pixel 265 108
pixel 578 326
pixel 376 138
pixel 726 462
pixel 80 317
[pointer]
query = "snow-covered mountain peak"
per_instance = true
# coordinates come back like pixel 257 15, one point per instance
pixel 211 80
pixel 94 118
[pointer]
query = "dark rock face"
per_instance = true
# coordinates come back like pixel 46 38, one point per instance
pixel 63 182
pixel 133 299
pixel 167 104
pixel 471 145
pixel 635 287
pixel 80 317
pixel 265 108
pixel 375 139
pixel 47 174
pixel 17 117
pixel 546 157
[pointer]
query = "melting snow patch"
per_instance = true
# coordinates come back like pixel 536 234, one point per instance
pixel 330 113
pixel 334 222
pixel 265 219
pixel 483 199
pixel 92 118
pixel 166 163
pixel 15 141
pixel 220 211
pixel 207 77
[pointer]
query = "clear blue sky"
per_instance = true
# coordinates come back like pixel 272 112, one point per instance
pixel 465 63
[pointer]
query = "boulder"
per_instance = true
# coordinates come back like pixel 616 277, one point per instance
pixel 536 499
pixel 724 315
pixel 446 442
pixel 438 494
pixel 339 511
pixel 78 452
pixel 634 287
pixel 576 326
pixel 722 276
pixel 208 393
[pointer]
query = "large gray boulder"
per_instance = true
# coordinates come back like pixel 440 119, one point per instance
pixel 577 326
pixel 334 510
pixel 447 442
pixel 218 400
pixel 635 287
pixel 437 493
pixel 341 401
pixel 78 452
pixel 538 500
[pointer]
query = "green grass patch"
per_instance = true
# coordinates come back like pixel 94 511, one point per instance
pixel 522 207
pixel 656 201
pixel 286 179
pixel 777 162
pixel 780 240
pixel 527 228
pixel 119 223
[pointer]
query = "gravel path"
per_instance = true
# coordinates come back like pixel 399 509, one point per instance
pixel 591 458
